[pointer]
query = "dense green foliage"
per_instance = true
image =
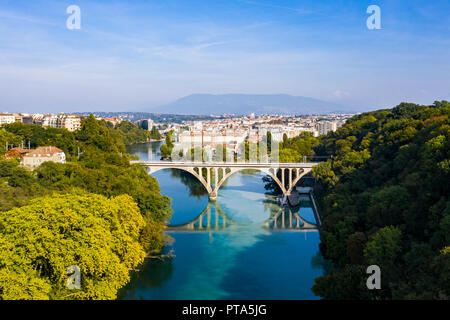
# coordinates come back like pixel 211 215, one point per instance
pixel 295 149
pixel 384 200
pixel 101 168
pixel 166 149
pixel 38 242
pixel 154 134
pixel 131 133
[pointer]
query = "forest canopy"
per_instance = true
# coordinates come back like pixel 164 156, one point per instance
pixel 384 200
pixel 97 164
pixel 38 242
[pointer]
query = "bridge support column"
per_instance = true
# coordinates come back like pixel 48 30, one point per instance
pixel 213 196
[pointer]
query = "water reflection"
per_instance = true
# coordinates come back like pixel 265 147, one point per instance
pixel 196 189
pixel 286 219
pixel 212 218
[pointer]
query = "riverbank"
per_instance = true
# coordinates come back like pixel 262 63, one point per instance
pixel 144 142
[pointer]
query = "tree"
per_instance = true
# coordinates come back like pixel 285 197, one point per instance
pixel 166 149
pixel 165 152
pixel 285 141
pixel 220 153
pixel 383 248
pixel 155 133
pixel 355 247
pixel 288 155
pixel 38 242
pixel 324 174
pixel 8 138
pixel 269 142
pixel 98 135
pixel 346 284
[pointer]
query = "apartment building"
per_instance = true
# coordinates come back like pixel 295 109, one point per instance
pixel 71 122
pixel 115 120
pixel 323 127
pixel 49 121
pixel 212 138
pixel 6 118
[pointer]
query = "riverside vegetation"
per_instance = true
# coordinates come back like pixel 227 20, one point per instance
pixel 384 200
pixel 96 211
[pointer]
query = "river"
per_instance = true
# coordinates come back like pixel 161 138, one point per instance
pixel 231 253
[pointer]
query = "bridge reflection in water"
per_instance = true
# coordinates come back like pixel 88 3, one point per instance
pixel 209 219
pixel 214 218
pixel 285 219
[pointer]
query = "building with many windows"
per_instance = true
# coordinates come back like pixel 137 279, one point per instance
pixel 71 122
pixel 323 127
pixel 36 157
pixel 7 118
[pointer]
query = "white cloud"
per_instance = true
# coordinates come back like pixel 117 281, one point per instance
pixel 341 94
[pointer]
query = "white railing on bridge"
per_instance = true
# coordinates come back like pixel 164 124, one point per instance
pixel 225 164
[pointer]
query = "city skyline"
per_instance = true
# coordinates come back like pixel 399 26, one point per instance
pixel 139 55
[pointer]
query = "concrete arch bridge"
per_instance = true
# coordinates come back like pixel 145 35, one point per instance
pixel 212 175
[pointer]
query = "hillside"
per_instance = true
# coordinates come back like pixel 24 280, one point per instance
pixel 385 200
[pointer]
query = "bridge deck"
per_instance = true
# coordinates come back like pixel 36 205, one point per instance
pixel 175 164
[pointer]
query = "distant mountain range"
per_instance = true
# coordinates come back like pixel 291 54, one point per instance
pixel 240 104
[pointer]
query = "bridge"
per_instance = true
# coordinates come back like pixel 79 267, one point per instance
pixel 212 175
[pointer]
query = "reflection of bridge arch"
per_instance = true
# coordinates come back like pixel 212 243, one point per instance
pixel 291 173
pixel 289 220
pixel 197 223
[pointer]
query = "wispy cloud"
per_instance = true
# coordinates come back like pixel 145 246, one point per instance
pixel 300 11
pixel 10 15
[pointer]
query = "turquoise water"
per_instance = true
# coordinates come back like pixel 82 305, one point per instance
pixel 231 252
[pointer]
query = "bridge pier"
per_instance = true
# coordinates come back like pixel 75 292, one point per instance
pixel 213 196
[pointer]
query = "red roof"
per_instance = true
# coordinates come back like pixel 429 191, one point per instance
pixel 44 151
pixel 16 153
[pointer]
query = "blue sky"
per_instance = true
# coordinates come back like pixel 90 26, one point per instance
pixel 134 55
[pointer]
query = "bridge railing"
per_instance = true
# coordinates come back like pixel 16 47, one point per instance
pixel 304 160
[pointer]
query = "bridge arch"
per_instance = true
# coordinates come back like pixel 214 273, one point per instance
pixel 198 176
pixel 226 175
pixel 271 172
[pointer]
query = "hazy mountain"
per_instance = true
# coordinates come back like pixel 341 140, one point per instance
pixel 248 103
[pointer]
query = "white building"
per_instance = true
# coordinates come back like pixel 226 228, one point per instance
pixel 71 122
pixel 36 157
pixel 212 138
pixel 7 118
pixel 50 121
pixel 323 127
